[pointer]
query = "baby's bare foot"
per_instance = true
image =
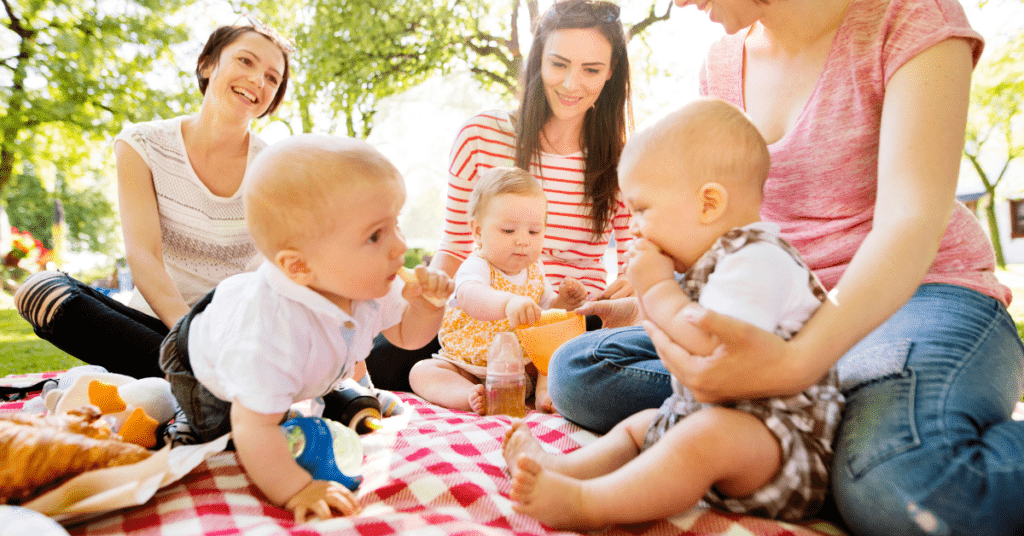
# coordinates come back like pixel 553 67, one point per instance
pixel 519 441
pixel 553 499
pixel 478 399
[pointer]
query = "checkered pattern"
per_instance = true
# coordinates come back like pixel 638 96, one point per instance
pixel 441 474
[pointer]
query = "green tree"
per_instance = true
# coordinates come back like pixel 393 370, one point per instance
pixel 71 73
pixel 994 131
pixel 351 54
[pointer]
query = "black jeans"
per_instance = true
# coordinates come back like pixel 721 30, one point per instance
pixel 98 329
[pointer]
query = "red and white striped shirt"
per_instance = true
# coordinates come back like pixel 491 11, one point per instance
pixel 486 141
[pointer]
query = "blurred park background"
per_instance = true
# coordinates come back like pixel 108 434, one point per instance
pixel 403 74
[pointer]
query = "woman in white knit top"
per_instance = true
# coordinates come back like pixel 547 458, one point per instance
pixel 568 132
pixel 180 208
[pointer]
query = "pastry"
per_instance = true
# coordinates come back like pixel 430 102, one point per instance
pixel 38 453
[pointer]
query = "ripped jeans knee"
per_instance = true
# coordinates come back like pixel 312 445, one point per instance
pixel 41 296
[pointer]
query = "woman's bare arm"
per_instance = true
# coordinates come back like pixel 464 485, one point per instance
pixel 140 225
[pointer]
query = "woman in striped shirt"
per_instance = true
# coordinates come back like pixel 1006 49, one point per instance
pixel 568 132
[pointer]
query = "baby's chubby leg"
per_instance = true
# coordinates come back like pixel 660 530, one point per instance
pixel 716 446
pixel 444 384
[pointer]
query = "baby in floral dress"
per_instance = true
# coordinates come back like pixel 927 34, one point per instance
pixel 498 288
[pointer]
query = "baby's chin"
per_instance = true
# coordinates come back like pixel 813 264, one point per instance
pixel 515 265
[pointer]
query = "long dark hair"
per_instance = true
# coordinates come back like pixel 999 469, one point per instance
pixel 221 38
pixel 605 125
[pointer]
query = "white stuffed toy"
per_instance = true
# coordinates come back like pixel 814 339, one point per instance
pixel 135 408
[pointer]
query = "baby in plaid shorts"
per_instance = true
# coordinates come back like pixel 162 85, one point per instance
pixel 693 182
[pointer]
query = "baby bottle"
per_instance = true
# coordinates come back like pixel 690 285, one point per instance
pixel 506 377
pixel 325 448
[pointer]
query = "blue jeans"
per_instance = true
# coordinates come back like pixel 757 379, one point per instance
pixel 926 447
pixel 601 377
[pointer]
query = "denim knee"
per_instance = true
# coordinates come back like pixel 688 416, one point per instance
pixel 599 378
pixel 930 448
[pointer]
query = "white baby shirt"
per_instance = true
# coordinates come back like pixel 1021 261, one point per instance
pixel 268 342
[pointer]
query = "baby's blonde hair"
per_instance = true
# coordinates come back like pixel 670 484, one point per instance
pixel 294 190
pixel 497 181
pixel 712 140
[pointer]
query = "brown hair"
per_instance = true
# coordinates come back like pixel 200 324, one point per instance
pixel 498 181
pixel 605 125
pixel 221 38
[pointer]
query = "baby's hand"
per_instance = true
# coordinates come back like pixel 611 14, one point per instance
pixel 521 310
pixel 647 265
pixel 319 497
pixel 433 286
pixel 571 294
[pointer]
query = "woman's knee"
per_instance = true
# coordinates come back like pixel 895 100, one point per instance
pixel 602 377
pixel 41 295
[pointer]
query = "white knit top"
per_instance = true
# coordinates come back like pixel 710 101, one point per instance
pixel 203 235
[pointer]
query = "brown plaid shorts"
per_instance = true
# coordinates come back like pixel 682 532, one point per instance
pixel 804 424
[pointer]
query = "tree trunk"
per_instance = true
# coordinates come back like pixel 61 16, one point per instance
pixel 993 229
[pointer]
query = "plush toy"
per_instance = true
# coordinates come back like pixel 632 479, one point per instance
pixel 134 408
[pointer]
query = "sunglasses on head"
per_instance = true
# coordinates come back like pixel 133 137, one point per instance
pixel 602 11
pixel 287 45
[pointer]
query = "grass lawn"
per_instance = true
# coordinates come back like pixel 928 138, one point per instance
pixel 22 352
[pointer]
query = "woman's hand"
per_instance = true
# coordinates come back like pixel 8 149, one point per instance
pixel 620 288
pixel 615 313
pixel 749 362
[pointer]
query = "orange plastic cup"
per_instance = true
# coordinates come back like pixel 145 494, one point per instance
pixel 542 339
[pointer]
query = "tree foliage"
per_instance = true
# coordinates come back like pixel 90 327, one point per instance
pixel 995 131
pixel 71 73
pixel 351 54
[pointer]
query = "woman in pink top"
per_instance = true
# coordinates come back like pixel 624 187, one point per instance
pixel 864 105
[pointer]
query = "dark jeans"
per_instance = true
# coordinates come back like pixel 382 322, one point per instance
pixel 389 365
pixel 98 329
pixel 209 417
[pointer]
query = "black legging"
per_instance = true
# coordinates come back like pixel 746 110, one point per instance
pixel 96 328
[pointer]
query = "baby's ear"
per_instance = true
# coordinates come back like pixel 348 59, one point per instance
pixel 474 226
pixel 293 264
pixel 714 199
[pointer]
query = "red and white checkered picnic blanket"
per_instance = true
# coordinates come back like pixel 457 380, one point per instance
pixel 440 473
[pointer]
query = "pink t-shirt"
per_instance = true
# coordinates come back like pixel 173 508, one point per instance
pixel 824 175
